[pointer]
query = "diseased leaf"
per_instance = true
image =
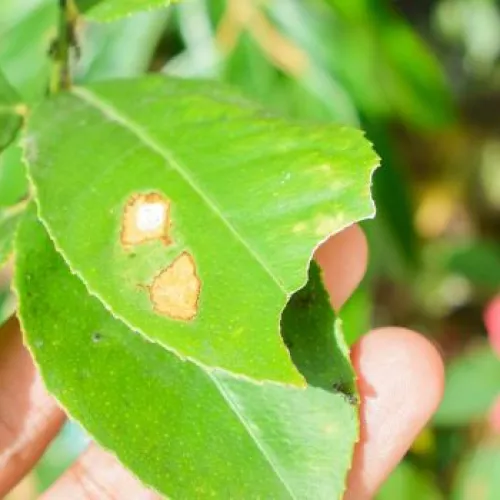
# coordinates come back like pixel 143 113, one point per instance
pixel 188 432
pixel 109 10
pixel 200 210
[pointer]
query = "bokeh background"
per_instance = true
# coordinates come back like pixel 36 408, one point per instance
pixel 423 79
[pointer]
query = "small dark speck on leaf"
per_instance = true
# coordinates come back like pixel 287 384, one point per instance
pixel 96 337
pixel 350 397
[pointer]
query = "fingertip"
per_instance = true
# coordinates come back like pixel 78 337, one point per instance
pixel 403 352
pixel 343 259
pixel 401 381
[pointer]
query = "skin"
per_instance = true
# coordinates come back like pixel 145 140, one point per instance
pixel 400 378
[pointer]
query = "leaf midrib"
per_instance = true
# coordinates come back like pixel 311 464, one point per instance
pixel 234 407
pixel 110 112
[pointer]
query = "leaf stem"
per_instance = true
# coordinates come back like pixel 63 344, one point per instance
pixel 61 49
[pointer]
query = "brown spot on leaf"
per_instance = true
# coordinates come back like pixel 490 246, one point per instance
pixel 175 291
pixel 146 217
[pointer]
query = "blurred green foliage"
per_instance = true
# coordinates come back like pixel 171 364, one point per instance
pixel 60 455
pixel 474 376
pixel 479 475
pixel 423 79
pixel 409 483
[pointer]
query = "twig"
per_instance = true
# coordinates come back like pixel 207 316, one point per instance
pixel 61 48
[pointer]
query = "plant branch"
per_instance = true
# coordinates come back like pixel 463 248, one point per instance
pixel 61 48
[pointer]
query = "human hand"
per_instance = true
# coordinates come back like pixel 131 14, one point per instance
pixel 400 381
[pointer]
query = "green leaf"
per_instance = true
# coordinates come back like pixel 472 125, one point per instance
pixel 7 303
pixel 62 452
pixel 27 28
pixel 477 261
pixel 393 200
pixel 13 181
pixel 249 196
pixel 9 220
pixel 188 432
pixel 10 117
pixel 323 360
pixel 370 55
pixel 109 10
pixel 479 475
pixel 472 385
pixel 357 314
pixel 13 189
pixel 313 94
pixel 407 482
pixel 121 49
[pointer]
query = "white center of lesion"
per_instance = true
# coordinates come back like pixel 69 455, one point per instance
pixel 146 218
pixel 151 216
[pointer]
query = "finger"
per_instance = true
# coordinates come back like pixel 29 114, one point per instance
pixel 343 259
pixel 97 475
pixel 29 417
pixel 401 379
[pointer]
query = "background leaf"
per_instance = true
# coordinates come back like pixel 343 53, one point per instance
pixel 264 439
pixel 13 181
pixel 62 452
pixel 403 76
pixel 408 483
pixel 9 220
pixel 478 262
pixel 27 28
pixel 479 475
pixel 10 118
pixel 356 315
pixel 109 10
pixel 13 190
pixel 120 49
pixel 297 183
pixel 472 385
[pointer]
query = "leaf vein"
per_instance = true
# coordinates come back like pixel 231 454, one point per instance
pixel 234 407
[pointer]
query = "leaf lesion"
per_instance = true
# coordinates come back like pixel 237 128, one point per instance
pixel 175 292
pixel 146 218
